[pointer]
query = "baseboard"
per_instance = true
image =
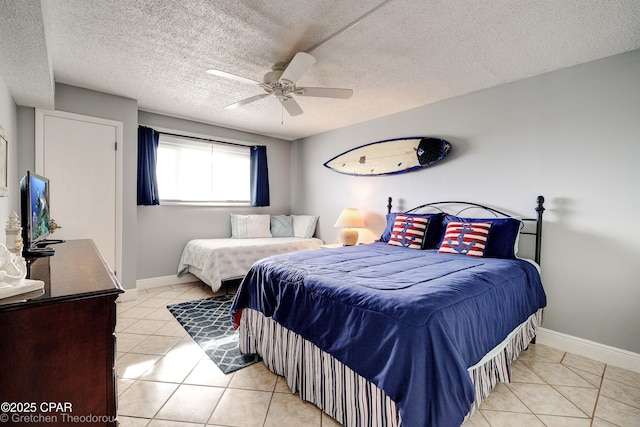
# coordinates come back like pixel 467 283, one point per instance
pixel 157 282
pixel 592 350
pixel 128 295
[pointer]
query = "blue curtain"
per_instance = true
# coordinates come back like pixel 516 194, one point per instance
pixel 147 155
pixel 259 176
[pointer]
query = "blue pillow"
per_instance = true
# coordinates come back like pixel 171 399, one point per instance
pixel 433 234
pixel 502 236
pixel 281 226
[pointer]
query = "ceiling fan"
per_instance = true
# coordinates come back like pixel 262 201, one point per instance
pixel 281 82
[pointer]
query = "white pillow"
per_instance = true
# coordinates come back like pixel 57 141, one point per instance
pixel 250 226
pixel 304 225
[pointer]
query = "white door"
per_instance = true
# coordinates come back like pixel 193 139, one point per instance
pixel 78 155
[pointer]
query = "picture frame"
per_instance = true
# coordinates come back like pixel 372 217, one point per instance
pixel 4 151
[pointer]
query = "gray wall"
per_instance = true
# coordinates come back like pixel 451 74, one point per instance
pixel 570 135
pixel 26 141
pixel 9 122
pixel 163 230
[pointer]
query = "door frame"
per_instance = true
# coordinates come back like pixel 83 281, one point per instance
pixel 39 165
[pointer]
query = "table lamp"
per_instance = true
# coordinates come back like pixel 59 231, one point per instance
pixel 348 220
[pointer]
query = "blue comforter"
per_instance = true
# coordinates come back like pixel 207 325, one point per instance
pixel 409 321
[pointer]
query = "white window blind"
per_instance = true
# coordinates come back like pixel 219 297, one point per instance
pixel 202 172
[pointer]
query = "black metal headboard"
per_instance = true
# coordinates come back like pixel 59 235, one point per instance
pixel 495 212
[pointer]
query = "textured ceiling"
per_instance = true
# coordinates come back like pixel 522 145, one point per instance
pixel 406 54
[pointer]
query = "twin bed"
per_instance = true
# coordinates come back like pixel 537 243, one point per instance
pixel 217 260
pixel 253 237
pixel 413 330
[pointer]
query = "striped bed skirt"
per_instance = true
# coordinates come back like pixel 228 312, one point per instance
pixel 343 394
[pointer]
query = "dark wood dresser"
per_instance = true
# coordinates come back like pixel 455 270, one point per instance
pixel 57 350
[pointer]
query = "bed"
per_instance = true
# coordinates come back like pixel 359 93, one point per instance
pixel 413 330
pixel 253 237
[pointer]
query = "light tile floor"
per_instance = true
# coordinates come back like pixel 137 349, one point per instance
pixel 165 379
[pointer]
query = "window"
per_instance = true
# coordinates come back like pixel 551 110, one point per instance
pixel 202 172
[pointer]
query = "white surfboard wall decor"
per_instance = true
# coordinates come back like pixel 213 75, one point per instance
pixel 390 156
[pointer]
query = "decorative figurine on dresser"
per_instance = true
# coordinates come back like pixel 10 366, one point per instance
pixel 14 286
pixel 14 234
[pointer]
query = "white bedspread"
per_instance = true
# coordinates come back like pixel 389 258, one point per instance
pixel 215 260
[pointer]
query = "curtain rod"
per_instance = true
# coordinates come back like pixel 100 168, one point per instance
pixel 206 139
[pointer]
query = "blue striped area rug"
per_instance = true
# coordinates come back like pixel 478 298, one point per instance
pixel 208 321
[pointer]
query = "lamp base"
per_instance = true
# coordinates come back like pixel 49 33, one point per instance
pixel 348 236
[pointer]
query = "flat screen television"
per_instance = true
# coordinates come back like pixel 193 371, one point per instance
pixel 34 196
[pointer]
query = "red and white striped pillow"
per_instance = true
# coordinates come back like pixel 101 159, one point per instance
pixel 408 231
pixel 465 238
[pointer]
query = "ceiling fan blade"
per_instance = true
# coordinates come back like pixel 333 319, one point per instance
pixel 231 76
pixel 246 101
pixel 324 92
pixel 291 106
pixel 297 67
